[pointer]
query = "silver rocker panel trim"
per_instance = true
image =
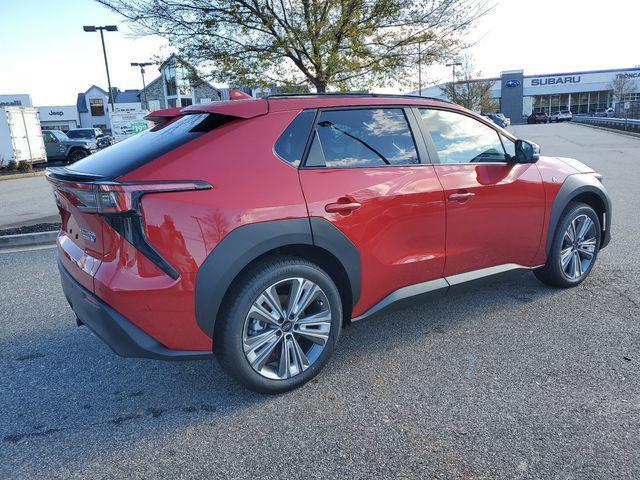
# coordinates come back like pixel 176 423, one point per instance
pixel 438 284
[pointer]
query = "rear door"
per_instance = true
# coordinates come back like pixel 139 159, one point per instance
pixel 495 208
pixel 369 175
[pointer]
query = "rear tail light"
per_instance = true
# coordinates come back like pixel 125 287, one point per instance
pixel 118 198
pixel 119 205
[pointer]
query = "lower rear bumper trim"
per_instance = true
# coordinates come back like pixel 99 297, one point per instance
pixel 124 338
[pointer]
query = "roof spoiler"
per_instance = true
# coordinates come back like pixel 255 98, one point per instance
pixel 164 115
pixel 240 105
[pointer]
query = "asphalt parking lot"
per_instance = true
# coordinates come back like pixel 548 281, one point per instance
pixel 510 380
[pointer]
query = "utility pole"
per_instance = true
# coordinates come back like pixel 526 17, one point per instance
pixel 420 68
pixel 108 28
pixel 453 78
pixel 144 85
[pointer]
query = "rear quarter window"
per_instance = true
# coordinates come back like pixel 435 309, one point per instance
pixel 291 144
pixel 139 149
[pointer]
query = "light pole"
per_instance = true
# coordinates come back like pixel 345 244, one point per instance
pixel 420 68
pixel 453 77
pixel 144 85
pixel 108 28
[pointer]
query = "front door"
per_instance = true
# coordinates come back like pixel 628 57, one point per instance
pixel 50 145
pixel 495 207
pixel 365 174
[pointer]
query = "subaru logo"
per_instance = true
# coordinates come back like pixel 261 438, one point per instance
pixel 512 83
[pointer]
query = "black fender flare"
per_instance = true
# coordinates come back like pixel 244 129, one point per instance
pixel 573 186
pixel 248 242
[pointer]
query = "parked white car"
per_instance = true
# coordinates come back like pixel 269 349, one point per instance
pixel 561 116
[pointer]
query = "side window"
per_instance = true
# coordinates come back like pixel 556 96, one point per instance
pixel 462 139
pixel 290 145
pixel 354 138
pixel 47 137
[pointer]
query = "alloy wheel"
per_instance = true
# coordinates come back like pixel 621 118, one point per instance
pixel 578 247
pixel 287 328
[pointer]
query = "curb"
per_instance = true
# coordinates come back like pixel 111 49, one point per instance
pixel 17 176
pixel 28 239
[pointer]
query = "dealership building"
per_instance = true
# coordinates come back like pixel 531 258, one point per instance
pixel 580 92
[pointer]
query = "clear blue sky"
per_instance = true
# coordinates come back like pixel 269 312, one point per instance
pixel 44 52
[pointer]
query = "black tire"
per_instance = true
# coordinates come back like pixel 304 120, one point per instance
pixel 228 335
pixel 552 273
pixel 76 155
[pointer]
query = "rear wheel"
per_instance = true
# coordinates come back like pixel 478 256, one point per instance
pixel 280 326
pixel 574 249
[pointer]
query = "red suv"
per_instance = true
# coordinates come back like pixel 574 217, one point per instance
pixel 538 117
pixel 255 229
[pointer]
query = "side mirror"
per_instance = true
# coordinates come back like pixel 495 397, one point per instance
pixel 527 152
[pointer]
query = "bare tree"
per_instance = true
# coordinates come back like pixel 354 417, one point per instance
pixel 345 44
pixel 469 90
pixel 621 86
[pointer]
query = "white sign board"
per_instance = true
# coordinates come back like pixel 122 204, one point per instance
pixel 58 112
pixel 128 107
pixel 124 125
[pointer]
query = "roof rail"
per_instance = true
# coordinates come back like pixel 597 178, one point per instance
pixel 352 94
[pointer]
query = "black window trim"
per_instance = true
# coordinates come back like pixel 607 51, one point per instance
pixel 424 157
pixel 432 148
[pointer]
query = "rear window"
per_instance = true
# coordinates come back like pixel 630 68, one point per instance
pixel 137 150
pixel 80 134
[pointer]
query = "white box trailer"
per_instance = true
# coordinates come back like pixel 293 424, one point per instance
pixel 21 136
pixel 123 125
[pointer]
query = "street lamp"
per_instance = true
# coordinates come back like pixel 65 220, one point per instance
pixel 453 77
pixel 144 85
pixel 108 28
pixel 420 68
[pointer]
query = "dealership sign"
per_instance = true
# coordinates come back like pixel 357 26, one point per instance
pixel 536 82
pixel 628 75
pixel 512 83
pixel 57 113
pixel 18 100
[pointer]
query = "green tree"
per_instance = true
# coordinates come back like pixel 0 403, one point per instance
pixel 344 44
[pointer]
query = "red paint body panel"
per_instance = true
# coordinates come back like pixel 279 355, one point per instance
pixel 553 173
pixel 186 226
pixel 501 223
pixel 399 229
pixel 405 229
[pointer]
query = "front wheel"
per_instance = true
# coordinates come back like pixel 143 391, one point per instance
pixel 280 325
pixel 574 248
pixel 76 155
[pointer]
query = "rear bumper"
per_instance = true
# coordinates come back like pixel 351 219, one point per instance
pixel 120 334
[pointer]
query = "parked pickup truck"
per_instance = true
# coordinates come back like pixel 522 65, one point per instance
pixel 94 134
pixel 60 147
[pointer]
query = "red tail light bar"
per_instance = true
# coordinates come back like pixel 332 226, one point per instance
pixel 120 206
pixel 118 198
